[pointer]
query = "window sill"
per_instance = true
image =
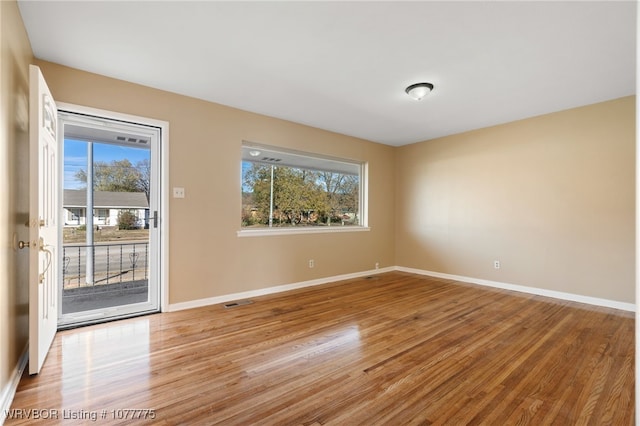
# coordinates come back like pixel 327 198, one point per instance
pixel 302 230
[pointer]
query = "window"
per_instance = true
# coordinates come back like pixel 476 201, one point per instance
pixel 101 215
pixel 285 190
pixel 74 215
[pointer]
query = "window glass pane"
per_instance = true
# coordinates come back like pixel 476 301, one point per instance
pixel 287 189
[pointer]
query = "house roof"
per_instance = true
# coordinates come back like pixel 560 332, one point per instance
pixel 106 199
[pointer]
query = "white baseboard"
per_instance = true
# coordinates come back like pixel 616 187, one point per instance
pixel 524 289
pixel 496 284
pixel 271 290
pixel 9 391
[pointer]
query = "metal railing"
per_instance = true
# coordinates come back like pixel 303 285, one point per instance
pixel 112 263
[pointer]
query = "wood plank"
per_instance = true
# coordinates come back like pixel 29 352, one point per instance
pixel 395 349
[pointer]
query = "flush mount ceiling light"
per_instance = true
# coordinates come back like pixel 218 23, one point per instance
pixel 419 90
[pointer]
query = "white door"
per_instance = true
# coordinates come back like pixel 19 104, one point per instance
pixel 43 220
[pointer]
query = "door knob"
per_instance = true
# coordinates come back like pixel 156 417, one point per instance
pixel 23 244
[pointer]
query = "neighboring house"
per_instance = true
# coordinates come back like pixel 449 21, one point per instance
pixel 106 207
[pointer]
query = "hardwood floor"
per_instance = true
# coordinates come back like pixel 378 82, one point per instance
pixel 396 349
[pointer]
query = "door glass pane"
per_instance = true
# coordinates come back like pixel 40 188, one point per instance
pixel 106 257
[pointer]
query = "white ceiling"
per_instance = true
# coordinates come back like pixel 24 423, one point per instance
pixel 343 66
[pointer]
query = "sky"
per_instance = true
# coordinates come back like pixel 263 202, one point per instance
pixel 75 158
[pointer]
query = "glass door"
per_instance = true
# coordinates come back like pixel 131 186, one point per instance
pixel 109 227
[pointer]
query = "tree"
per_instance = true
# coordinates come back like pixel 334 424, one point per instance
pixel 257 180
pixel 296 193
pixel 299 195
pixel 144 178
pixel 127 220
pixel 342 193
pixel 119 176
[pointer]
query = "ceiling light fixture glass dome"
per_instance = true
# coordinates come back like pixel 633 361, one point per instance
pixel 419 90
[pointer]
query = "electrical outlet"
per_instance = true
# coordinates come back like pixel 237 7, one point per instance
pixel 178 192
pixel 312 263
pixel 496 264
pixel 377 265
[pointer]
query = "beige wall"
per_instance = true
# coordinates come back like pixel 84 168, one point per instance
pixel 14 202
pixel 551 197
pixel 206 256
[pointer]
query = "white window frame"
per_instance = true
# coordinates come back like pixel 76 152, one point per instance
pixel 101 218
pixel 75 214
pixel 363 196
